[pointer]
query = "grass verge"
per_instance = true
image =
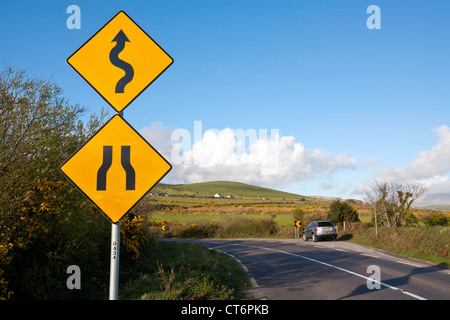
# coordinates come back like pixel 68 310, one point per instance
pixel 182 271
pixel 426 243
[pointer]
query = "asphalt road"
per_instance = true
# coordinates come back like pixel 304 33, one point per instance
pixel 332 270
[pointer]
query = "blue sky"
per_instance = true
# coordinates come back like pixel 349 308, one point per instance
pixel 357 104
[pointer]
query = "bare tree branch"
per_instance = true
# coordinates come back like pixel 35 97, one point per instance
pixel 393 201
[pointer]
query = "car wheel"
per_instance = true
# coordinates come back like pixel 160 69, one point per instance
pixel 305 238
pixel 314 237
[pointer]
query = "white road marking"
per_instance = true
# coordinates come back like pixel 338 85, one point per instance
pixel 335 267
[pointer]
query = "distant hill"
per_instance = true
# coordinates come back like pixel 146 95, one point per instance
pixel 225 188
pixel 442 207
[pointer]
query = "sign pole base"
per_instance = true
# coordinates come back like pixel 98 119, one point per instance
pixel 114 271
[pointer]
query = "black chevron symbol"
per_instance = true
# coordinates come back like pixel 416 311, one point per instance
pixel 120 40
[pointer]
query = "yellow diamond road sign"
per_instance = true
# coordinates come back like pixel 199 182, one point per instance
pixel 115 168
pixel 120 61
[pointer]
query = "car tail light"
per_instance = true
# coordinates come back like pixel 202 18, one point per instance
pixel 335 230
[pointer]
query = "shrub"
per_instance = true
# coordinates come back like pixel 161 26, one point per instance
pixel 410 220
pixel 205 230
pixel 52 229
pixel 298 215
pixel 202 287
pixel 339 212
pixel 435 218
pixel 133 238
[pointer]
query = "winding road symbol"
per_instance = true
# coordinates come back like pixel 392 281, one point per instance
pixel 120 61
pixel 120 40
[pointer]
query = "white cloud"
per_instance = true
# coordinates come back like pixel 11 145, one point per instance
pixel 159 137
pixel 325 186
pixel 277 161
pixel 430 167
pixel 435 161
pixel 268 160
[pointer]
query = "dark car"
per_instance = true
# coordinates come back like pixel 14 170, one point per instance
pixel 320 230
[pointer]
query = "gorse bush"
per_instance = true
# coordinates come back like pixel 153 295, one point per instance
pixel 134 238
pixel 341 211
pixel 48 233
pixel 435 218
pixel 46 224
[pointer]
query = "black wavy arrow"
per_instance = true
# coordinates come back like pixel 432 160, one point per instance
pixel 121 38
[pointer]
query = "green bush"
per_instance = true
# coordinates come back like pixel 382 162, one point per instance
pixel 298 215
pixel 46 224
pixel 53 229
pixel 435 218
pixel 339 212
pixel 204 230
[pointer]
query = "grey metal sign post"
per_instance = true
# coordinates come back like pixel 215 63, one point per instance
pixel 115 251
pixel 114 269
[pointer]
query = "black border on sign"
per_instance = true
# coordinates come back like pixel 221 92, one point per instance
pixel 145 193
pixel 67 60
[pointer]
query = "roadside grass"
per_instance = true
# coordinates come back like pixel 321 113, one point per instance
pixel 183 271
pixel 426 243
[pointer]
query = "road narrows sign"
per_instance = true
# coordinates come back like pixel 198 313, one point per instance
pixel 115 168
pixel 120 61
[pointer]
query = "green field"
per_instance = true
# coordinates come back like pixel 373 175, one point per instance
pixel 225 188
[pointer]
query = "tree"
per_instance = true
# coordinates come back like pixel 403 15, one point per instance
pixel 45 222
pixel 392 202
pixel 38 129
pixel 339 212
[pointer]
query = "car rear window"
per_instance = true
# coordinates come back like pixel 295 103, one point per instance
pixel 325 224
